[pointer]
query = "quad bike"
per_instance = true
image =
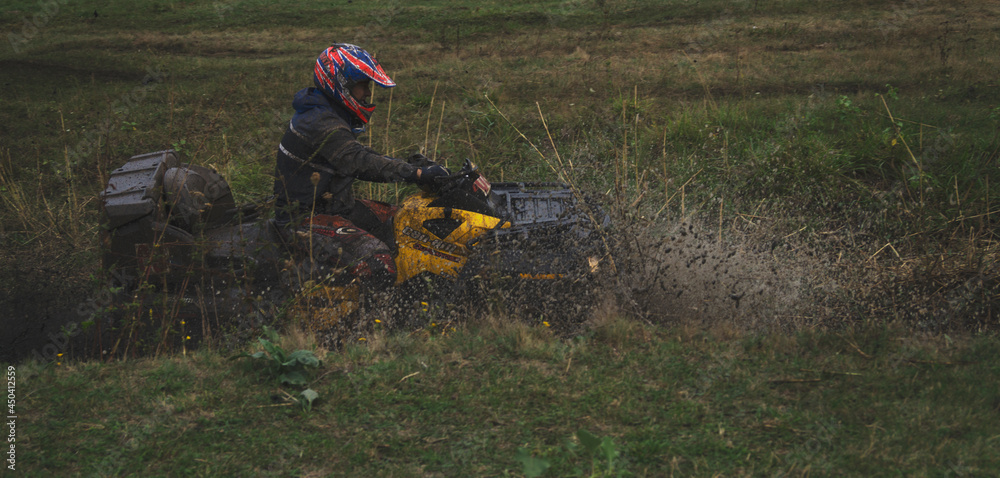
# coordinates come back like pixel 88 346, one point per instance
pixel 175 226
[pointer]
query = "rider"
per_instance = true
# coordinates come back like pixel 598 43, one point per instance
pixel 319 158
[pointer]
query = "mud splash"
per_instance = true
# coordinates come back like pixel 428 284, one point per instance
pixel 686 275
pixel 678 274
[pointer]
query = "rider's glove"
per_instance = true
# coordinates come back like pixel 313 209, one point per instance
pixel 420 160
pixel 428 174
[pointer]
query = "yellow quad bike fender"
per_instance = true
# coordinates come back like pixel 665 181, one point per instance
pixel 420 249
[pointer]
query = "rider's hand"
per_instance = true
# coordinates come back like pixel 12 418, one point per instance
pixel 428 174
pixel 420 160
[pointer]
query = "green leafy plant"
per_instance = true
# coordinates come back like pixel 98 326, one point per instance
pixel 891 92
pixel 601 451
pixel 307 397
pixel 290 368
pixel 846 108
pixel 179 145
pixel 995 114
pixel 531 466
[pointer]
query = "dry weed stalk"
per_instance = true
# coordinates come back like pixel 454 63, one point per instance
pixel 899 133
pixel 704 84
pixel 64 219
pixel 562 174
pixel 427 127
pixel 13 194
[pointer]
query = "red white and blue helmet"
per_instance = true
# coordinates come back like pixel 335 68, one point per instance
pixel 343 65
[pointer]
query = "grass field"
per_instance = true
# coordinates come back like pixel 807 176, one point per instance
pixel 839 160
pixel 495 399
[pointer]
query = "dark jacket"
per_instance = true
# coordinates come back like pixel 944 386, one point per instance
pixel 319 139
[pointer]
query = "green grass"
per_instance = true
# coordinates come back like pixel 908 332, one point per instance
pixel 672 400
pixel 768 78
pixel 765 123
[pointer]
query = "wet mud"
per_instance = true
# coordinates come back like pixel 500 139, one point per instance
pixel 678 274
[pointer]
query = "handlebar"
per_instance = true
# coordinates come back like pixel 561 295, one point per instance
pixel 467 169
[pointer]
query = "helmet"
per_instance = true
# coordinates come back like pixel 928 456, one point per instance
pixel 343 65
